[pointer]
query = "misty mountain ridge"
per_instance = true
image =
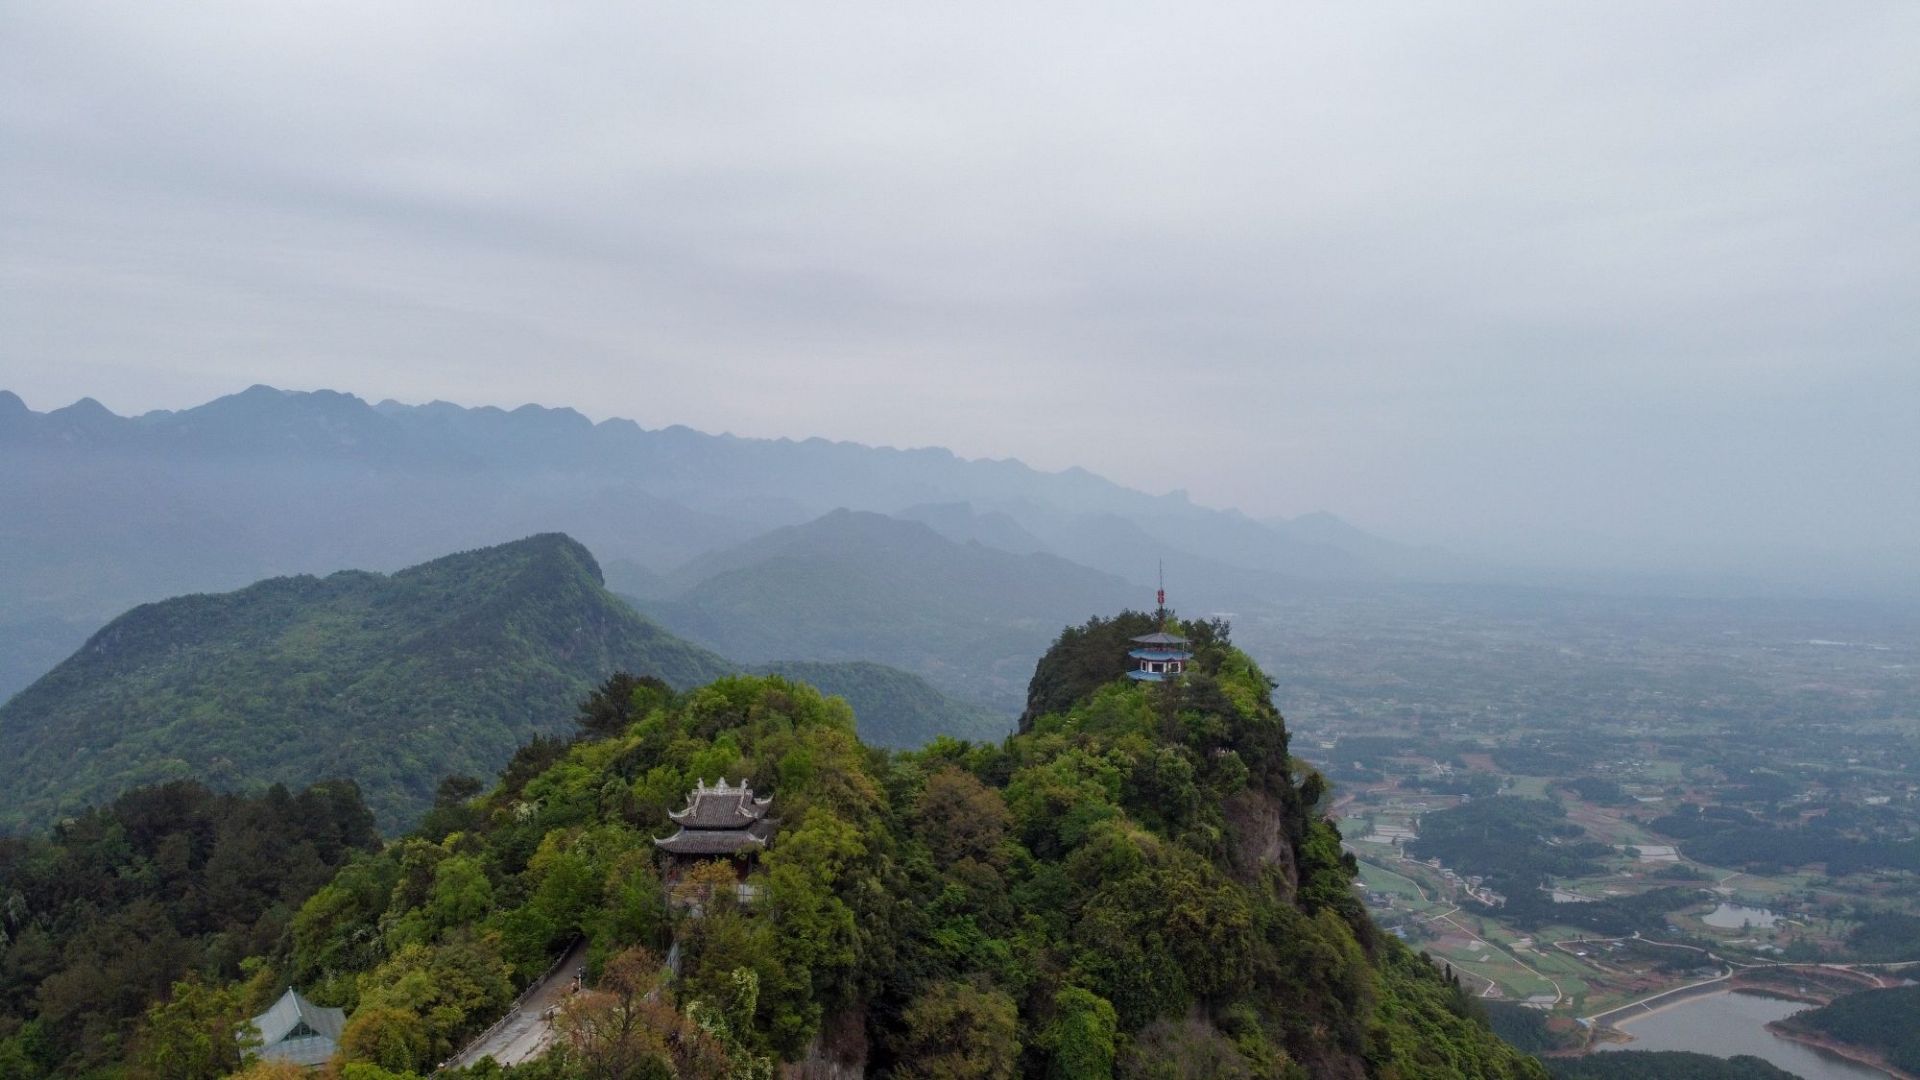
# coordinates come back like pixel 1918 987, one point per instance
pixel 101 512
pixel 854 585
pixel 796 477
pixel 959 521
pixel 391 681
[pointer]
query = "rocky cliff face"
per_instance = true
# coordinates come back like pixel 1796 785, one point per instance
pixel 1258 839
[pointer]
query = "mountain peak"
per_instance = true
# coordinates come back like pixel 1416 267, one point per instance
pixel 844 522
pixel 551 551
pixel 260 396
pixel 560 546
pixel 85 409
pixel 86 420
pixel 562 415
pixel 13 411
pixel 453 662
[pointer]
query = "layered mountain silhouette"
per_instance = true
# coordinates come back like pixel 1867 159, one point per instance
pixel 862 586
pixel 100 512
pixel 391 681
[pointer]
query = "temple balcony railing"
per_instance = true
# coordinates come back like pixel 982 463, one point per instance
pixel 698 898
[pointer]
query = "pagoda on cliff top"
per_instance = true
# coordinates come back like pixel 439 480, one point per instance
pixel 1159 657
pixel 1162 655
pixel 721 820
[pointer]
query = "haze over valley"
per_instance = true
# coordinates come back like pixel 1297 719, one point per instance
pixel 920 586
pixel 669 542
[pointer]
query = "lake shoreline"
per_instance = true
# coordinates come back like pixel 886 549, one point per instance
pixel 1764 981
pixel 1734 1021
pixel 1859 1055
pixel 1666 999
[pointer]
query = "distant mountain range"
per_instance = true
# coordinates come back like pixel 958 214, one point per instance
pixel 864 586
pixel 391 681
pixel 99 512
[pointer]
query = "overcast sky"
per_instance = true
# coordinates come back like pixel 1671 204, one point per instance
pixel 1632 280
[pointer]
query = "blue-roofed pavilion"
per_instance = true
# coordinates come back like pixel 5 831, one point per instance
pixel 1159 657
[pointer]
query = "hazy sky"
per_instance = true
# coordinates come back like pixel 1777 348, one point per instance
pixel 1622 279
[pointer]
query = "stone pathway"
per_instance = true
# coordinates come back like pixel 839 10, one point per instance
pixel 524 1033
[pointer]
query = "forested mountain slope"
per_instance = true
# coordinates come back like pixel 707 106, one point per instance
pixel 861 586
pixel 1881 1023
pixel 1137 885
pixel 391 681
pixel 105 914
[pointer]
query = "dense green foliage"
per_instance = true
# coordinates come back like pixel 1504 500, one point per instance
pixel 426 942
pixel 1526 1028
pixel 1665 1065
pixel 1617 916
pixel 392 681
pixel 1135 885
pixel 1086 656
pixel 453 663
pixel 1083 659
pixel 166 885
pixel 1139 885
pixel 896 709
pixel 1770 849
pixel 1882 1021
pixel 1844 839
pixel 1516 843
pixel 1427 1026
pixel 1885 935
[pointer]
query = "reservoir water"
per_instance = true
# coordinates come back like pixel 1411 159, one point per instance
pixel 1734 916
pixel 1726 1024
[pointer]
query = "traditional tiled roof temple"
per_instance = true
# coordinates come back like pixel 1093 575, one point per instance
pixel 1159 657
pixel 297 1031
pixel 723 819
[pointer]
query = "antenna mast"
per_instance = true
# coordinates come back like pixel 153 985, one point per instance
pixel 1160 596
